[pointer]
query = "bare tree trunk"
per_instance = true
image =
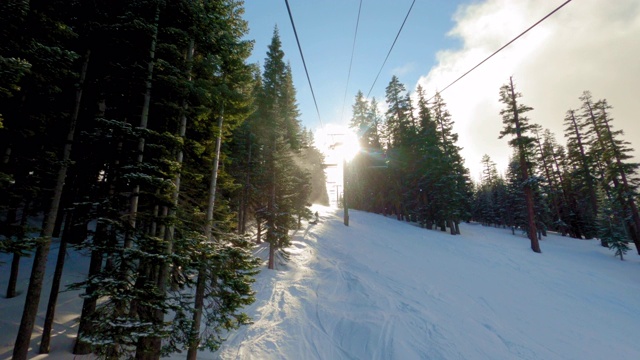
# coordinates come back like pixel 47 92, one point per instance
pixel 452 228
pixel 32 300
pixel 15 262
pixel 144 119
pixel 271 205
pixel 244 200
pixel 192 353
pixel 85 327
pixel 57 276
pixel 272 257
pixel 13 277
pixel 258 230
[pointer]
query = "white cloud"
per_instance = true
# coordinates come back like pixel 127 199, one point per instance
pixel 587 45
pixel 404 69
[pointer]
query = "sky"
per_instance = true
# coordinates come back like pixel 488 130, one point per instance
pixel 387 289
pixel 587 45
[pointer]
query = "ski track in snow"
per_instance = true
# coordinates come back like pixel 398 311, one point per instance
pixel 385 289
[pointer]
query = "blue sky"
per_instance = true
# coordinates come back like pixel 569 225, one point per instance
pixel 587 45
pixel 326 30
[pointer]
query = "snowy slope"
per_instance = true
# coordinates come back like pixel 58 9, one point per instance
pixel 383 289
pixel 65 326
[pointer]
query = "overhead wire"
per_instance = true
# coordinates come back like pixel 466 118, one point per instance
pixel 295 32
pixel 507 44
pixel 392 45
pixel 353 49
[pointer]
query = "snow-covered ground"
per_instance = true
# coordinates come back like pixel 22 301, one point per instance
pixel 384 289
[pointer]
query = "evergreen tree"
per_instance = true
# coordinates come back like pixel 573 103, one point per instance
pixel 367 168
pixel 609 153
pixel 280 138
pixel 517 125
pixel 453 186
pixel 398 137
pixel 611 227
pixel 582 178
pixel 430 154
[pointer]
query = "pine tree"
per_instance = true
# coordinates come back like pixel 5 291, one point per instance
pixel 582 176
pixel 517 125
pixel 609 154
pixel 398 136
pixel 453 185
pixel 280 137
pixel 611 227
pixel 431 155
pixel 367 168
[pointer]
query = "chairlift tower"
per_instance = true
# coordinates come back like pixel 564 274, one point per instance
pixel 344 180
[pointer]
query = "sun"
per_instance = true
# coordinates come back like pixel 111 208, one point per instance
pixel 339 145
pixel 337 142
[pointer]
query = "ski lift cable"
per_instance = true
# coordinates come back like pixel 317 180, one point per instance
pixel 507 44
pixel 390 49
pixel 293 25
pixel 353 48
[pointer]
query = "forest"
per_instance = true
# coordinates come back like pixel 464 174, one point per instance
pixel 410 166
pixel 138 133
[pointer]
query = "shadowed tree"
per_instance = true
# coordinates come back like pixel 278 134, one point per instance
pixel 517 126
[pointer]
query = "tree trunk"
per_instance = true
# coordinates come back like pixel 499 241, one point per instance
pixel 15 262
pixel 344 192
pixel 272 257
pixel 13 277
pixel 32 300
pixel 192 353
pixel 258 231
pixel 144 119
pixel 53 298
pixel 244 200
pixel 57 276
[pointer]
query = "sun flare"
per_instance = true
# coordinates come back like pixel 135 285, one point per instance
pixel 338 144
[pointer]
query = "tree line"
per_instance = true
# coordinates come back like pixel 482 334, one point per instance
pixel 586 189
pixel 139 133
pixel 410 166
